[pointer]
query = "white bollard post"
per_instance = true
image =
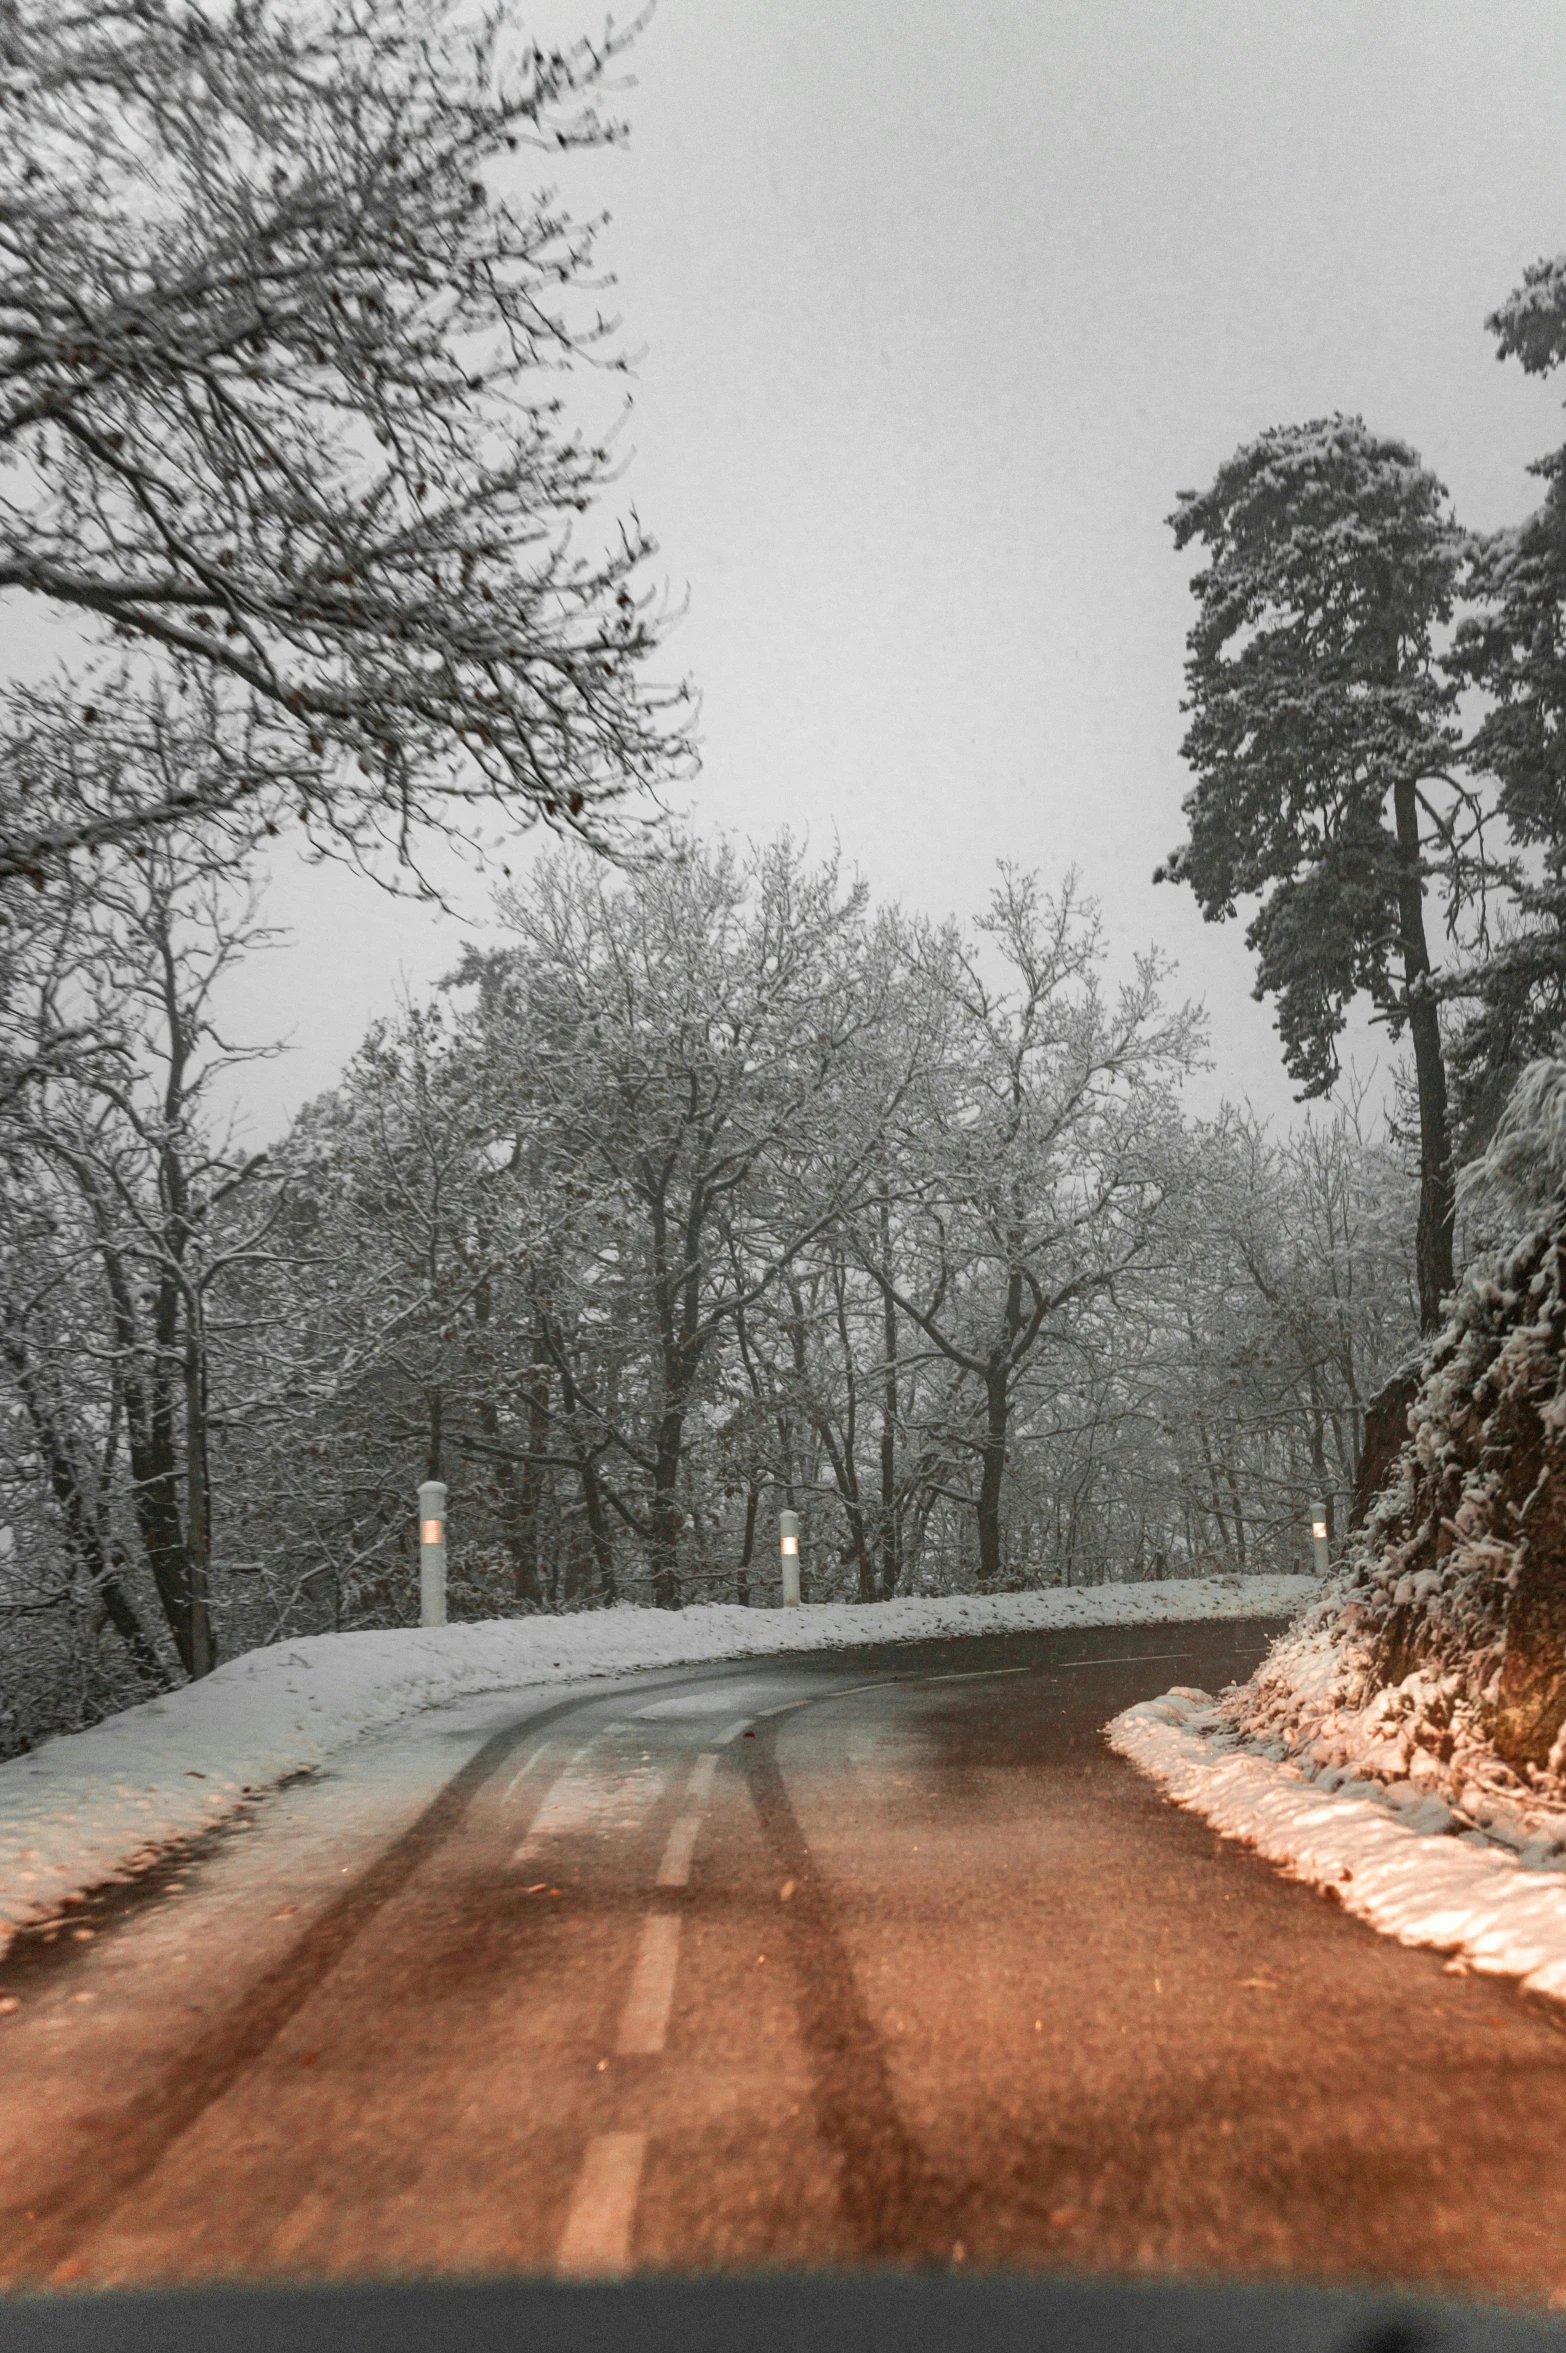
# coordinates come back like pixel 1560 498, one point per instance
pixel 432 1553
pixel 788 1528
pixel 1318 1537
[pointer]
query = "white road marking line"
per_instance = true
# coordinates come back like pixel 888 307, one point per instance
pixel 589 1798
pixel 596 2241
pixel 546 1749
pixel 836 1691
pixel 1132 1658
pixel 675 1869
pixel 975 1674
pixel 645 2019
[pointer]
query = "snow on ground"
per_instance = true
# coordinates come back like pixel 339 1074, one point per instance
pixel 88 1807
pixel 1397 1856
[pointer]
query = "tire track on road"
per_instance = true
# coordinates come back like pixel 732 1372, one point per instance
pixel 896 2204
pixel 133 2140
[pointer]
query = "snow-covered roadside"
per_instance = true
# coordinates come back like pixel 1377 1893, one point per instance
pixel 1396 1856
pixel 86 1808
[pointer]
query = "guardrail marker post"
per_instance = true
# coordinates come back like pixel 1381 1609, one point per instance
pixel 788 1529
pixel 432 1553
pixel 1318 1537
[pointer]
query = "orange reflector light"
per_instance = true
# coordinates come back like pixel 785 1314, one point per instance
pixel 791 1544
pixel 432 1532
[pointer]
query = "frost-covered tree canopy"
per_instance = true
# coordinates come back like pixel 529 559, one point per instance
pixel 280 403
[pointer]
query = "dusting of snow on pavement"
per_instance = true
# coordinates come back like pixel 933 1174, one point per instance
pixel 90 1806
pixel 1396 1856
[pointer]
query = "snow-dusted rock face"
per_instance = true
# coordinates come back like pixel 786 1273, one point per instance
pixel 1460 1576
pixel 1405 1741
pixel 1462 1567
pixel 1438 1660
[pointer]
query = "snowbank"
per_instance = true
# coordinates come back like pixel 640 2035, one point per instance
pixel 85 1808
pixel 1405 1742
pixel 1398 1856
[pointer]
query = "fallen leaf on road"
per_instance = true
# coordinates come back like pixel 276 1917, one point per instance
pixel 283 1914
pixel 786 1890
pixel 10 2002
pixel 537 1888
pixel 1064 2216
pixel 1261 1985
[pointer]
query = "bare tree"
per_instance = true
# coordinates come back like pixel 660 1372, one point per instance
pixel 1036 1162
pixel 681 1040
pixel 280 350
pixel 118 1154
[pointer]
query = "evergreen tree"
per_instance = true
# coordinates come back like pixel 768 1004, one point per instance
pixel 1326 750
pixel 1514 648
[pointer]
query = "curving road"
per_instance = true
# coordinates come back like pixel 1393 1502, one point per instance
pixel 877 1958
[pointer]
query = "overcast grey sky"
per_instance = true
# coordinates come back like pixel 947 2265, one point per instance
pixel 940 308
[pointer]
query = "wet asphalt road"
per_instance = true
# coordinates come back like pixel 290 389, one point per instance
pixel 873 1958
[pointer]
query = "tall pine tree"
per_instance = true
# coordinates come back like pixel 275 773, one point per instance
pixel 1513 647
pixel 1324 742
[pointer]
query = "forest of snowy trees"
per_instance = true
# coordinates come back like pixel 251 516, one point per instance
pixel 713 1189
pixel 714 1186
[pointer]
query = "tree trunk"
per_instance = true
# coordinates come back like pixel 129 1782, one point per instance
pixel 598 1530
pixel 155 1477
pixel 526 1574
pixel 179 1574
pixel 1437 1196
pixel 891 1562
pixel 748 1549
pixel 1386 1434
pixel 587 1471
pixel 992 1469
pixel 154 1461
pixel 124 1617
pixel 1233 1486
pixel 79 1514
pixel 198 1496
pixel 1212 1506
pixel 666 1516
